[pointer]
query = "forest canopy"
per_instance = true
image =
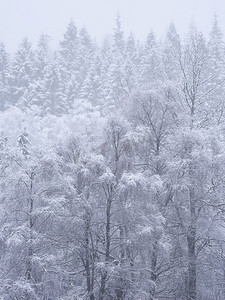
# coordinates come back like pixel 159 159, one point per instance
pixel 112 167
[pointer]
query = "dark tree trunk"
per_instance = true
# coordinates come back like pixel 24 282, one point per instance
pixel 153 269
pixel 191 242
pixel 89 270
pixel 108 244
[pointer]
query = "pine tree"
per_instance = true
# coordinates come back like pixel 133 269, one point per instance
pixel 41 56
pixel 86 51
pixel 22 74
pixel 92 86
pixel 4 78
pixel 69 46
pixel 172 54
pixel 55 101
pixel 216 68
pixel 41 65
pixel 118 37
pixel 216 47
pixel 69 68
pixel 150 63
pixel 23 142
pixel 130 66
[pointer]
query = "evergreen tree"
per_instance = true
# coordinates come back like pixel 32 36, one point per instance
pixel 150 63
pixel 92 86
pixel 42 58
pixel 216 68
pixel 118 37
pixel 69 66
pixel 216 48
pixel 69 46
pixel 172 54
pixel 22 74
pixel 86 51
pixel 4 78
pixel 55 101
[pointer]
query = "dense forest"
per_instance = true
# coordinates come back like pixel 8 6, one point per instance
pixel 112 167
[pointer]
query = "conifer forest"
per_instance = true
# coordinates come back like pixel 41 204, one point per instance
pixel 112 167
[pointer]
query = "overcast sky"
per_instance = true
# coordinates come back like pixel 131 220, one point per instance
pixel 20 18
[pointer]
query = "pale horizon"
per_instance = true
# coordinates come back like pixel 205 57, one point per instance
pixel 19 19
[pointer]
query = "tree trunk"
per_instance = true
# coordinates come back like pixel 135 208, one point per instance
pixel 153 269
pixel 107 251
pixel 29 267
pixel 120 282
pixel 191 241
pixel 87 259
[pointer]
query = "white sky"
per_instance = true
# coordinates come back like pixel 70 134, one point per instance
pixel 20 18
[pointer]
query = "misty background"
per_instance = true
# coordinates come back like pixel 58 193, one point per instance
pixel 112 153
pixel 32 18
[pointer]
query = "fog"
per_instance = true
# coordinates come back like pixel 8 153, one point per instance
pixel 112 154
pixel 20 18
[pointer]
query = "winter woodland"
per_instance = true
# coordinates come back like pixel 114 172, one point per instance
pixel 112 167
